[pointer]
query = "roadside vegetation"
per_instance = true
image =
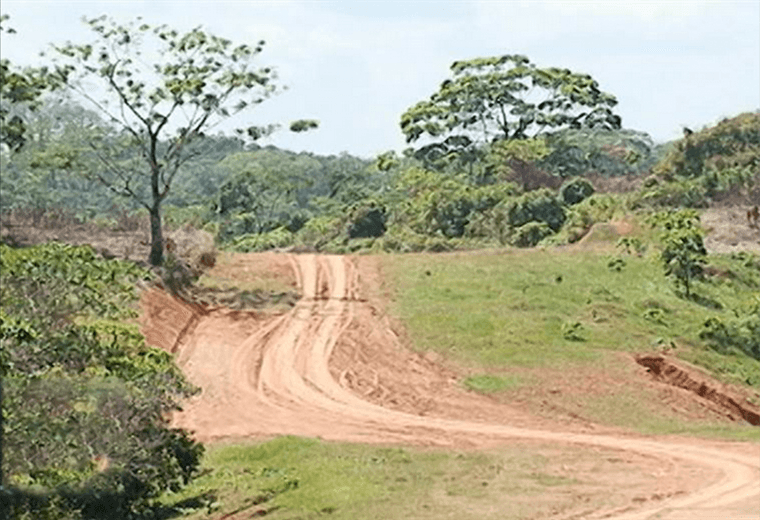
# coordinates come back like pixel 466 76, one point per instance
pixel 505 184
pixel 85 401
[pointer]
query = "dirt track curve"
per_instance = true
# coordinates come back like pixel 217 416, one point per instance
pixel 273 376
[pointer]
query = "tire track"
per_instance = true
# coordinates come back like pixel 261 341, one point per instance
pixel 277 381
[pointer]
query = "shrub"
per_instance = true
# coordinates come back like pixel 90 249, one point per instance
pixel 575 190
pixel 683 251
pixel 530 234
pixel 536 206
pixel 92 396
pixel 741 333
pixel 367 221
pixel 279 237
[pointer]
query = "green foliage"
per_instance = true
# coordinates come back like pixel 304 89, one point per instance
pixel 512 160
pixel 440 205
pixel 530 234
pixel 717 161
pixel 599 207
pixel 537 206
pixel 19 88
pixel 367 221
pixel 575 190
pixel 609 153
pixel 279 237
pixel 487 100
pixel 261 193
pixel 86 388
pixel 732 143
pixel 158 110
pixel 741 332
pixel 403 239
pixel 683 252
pixel 573 331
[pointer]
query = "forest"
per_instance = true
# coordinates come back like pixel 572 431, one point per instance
pixel 85 400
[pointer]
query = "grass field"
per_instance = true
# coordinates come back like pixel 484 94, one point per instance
pixel 295 478
pixel 522 321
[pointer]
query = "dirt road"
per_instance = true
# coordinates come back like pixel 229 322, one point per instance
pixel 293 374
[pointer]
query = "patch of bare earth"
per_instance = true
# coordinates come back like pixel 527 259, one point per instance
pixel 729 230
pixel 335 367
pixel 719 398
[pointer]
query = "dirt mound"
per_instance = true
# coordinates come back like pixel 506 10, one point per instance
pixel 718 398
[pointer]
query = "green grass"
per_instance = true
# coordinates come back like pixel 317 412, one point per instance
pixel 491 383
pixel 293 478
pixel 553 312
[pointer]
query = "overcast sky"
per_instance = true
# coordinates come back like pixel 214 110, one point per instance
pixel 356 66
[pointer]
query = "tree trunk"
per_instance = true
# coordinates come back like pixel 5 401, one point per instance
pixel 156 237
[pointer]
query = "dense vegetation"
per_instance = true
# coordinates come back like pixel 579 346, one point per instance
pixel 85 401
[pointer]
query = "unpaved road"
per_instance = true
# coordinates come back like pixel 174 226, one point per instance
pixel 272 376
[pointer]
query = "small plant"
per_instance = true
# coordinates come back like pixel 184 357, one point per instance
pixel 573 331
pixel 631 245
pixel 616 264
pixel 683 253
pixel 655 315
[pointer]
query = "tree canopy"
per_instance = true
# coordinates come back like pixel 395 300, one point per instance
pixel 161 90
pixel 503 98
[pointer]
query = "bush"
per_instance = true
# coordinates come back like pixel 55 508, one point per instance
pixel 367 221
pixel 536 206
pixel 575 190
pixel 741 333
pixel 88 391
pixel 530 234
pixel 319 231
pixel 279 237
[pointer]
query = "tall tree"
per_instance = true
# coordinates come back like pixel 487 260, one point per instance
pixel 161 89
pixel 503 98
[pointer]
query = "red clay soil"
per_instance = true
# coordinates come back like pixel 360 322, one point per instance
pixel 334 368
pixel 672 373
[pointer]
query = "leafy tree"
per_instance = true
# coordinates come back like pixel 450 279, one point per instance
pixel 723 160
pixel 262 189
pixel 504 98
pixel 161 90
pixel 43 175
pixel 433 203
pixel 515 160
pixel 683 253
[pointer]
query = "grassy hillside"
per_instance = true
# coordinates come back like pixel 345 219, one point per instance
pixel 561 324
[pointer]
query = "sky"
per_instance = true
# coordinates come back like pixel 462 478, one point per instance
pixel 356 66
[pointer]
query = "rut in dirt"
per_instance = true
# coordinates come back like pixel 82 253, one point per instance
pixel 267 376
